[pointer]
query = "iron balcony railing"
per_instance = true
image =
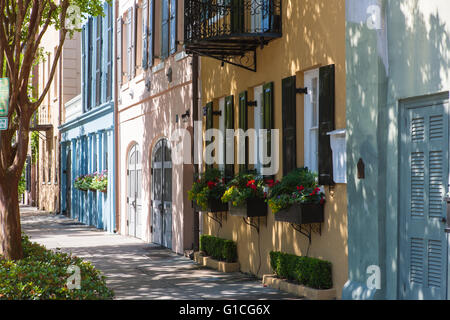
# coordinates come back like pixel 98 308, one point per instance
pixel 226 28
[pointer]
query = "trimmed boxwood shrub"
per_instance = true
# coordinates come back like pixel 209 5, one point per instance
pixel 42 275
pixel 311 272
pixel 219 249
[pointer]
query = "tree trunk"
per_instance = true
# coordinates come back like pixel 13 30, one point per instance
pixel 10 229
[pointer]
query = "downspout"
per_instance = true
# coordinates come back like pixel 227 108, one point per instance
pixel 116 200
pixel 195 100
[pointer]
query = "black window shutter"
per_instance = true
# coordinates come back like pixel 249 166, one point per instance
pixel 289 125
pixel 268 121
pixel 144 34
pixel 243 124
pixel 326 123
pixel 229 124
pixel 209 122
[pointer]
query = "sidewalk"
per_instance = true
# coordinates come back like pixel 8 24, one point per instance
pixel 138 270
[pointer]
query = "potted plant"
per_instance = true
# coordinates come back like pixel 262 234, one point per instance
pixel 246 195
pixel 207 191
pixel 100 181
pixel 80 184
pixel 297 198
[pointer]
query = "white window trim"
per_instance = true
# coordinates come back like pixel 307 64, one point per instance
pixel 311 161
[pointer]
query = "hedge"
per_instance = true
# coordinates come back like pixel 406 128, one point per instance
pixel 43 275
pixel 311 272
pixel 219 249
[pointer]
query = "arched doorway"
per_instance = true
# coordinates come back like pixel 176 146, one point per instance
pixel 162 195
pixel 134 193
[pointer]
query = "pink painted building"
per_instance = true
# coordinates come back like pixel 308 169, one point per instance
pixel 155 98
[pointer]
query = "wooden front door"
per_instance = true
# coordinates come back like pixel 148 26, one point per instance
pixel 162 195
pixel 424 169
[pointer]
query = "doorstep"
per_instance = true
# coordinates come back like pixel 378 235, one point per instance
pixel 221 266
pixel 272 281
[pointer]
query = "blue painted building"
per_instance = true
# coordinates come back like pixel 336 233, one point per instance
pixel 87 135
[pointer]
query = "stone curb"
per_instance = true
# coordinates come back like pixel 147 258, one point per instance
pixel 272 281
pixel 221 266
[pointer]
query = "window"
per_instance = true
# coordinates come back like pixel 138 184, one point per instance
pixel 312 120
pixel 147 33
pixel 168 27
pixel 258 121
pixel 97 53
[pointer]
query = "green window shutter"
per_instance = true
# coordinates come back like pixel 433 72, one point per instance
pixel 243 124
pixel 173 26
pixel 237 16
pixel 209 122
pixel 144 34
pixel 229 124
pixel 151 15
pixel 289 124
pixel 119 51
pixel 165 29
pixel 268 121
pixel 326 123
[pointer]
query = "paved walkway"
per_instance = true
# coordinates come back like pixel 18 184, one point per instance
pixel 138 270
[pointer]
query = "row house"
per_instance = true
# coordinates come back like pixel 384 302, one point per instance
pixel 43 183
pixel 87 134
pixel 272 64
pixel 398 84
pixel 155 99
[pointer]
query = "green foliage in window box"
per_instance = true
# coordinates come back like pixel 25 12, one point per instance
pixel 43 275
pixel 299 186
pixel 218 249
pixel 310 272
pixel 209 186
pixel 243 187
pixel 100 181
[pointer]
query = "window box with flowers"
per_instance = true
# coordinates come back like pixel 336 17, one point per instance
pixel 246 196
pixel 92 182
pixel 207 191
pixel 297 199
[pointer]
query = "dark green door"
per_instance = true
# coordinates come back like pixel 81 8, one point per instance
pixel 423 184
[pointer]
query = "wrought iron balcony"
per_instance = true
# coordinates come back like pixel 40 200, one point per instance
pixel 231 30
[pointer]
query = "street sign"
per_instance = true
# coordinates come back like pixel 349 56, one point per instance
pixel 4 97
pixel 3 123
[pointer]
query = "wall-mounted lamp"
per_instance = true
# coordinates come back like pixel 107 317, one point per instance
pixel 301 90
pixel 186 115
pixel 148 84
pixel 169 74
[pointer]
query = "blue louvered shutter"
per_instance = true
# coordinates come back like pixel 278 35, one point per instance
pixel 105 48
pixel 165 29
pixel 90 67
pixel 145 34
pixel 109 54
pixel 173 26
pixel 151 24
pixel 98 54
pixel 84 65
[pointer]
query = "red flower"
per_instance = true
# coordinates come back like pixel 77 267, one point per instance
pixel 211 185
pixel 301 188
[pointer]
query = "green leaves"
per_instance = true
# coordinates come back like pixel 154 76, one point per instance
pixel 42 275
pixel 219 249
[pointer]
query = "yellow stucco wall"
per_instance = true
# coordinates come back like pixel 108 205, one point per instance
pixel 313 36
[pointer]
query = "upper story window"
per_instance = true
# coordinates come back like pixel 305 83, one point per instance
pixel 97 48
pixel 147 30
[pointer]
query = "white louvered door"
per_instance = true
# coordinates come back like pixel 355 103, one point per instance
pixel 423 184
